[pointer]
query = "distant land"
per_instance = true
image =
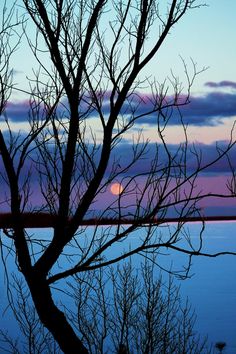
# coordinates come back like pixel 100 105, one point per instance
pixel 44 220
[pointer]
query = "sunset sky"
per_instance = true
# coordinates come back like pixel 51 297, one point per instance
pixel 206 35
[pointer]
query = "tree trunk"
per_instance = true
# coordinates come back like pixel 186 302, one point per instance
pixel 53 319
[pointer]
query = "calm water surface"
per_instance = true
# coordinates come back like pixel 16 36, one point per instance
pixel 211 289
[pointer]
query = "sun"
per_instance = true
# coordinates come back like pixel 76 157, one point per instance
pixel 116 188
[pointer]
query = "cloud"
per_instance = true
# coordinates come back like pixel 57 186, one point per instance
pixel 125 152
pixel 220 84
pixel 205 152
pixel 122 154
pixel 209 109
pixel 23 111
pixel 17 112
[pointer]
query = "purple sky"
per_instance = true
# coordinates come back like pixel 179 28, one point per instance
pixel 211 109
pixel 209 116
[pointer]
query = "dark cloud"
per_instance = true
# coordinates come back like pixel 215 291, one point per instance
pixel 125 152
pixel 220 84
pixel 17 112
pixel 122 156
pixel 25 111
pixel 206 152
pixel 209 109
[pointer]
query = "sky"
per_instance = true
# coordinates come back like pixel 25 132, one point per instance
pixel 205 36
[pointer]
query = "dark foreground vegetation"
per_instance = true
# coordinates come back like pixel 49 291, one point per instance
pixel 44 220
pixel 122 311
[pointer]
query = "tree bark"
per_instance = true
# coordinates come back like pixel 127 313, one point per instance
pixel 54 319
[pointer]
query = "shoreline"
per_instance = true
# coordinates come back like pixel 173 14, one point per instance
pixel 44 220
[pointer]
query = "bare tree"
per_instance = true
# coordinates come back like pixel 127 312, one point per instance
pixel 138 313
pixel 32 336
pixel 123 310
pixel 90 65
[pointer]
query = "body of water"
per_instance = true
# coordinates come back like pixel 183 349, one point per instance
pixel 211 289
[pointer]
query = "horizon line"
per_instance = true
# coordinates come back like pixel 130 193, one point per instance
pixel 46 220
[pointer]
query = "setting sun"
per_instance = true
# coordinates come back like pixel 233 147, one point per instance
pixel 116 188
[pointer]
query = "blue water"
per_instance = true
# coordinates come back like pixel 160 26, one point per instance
pixel 211 288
